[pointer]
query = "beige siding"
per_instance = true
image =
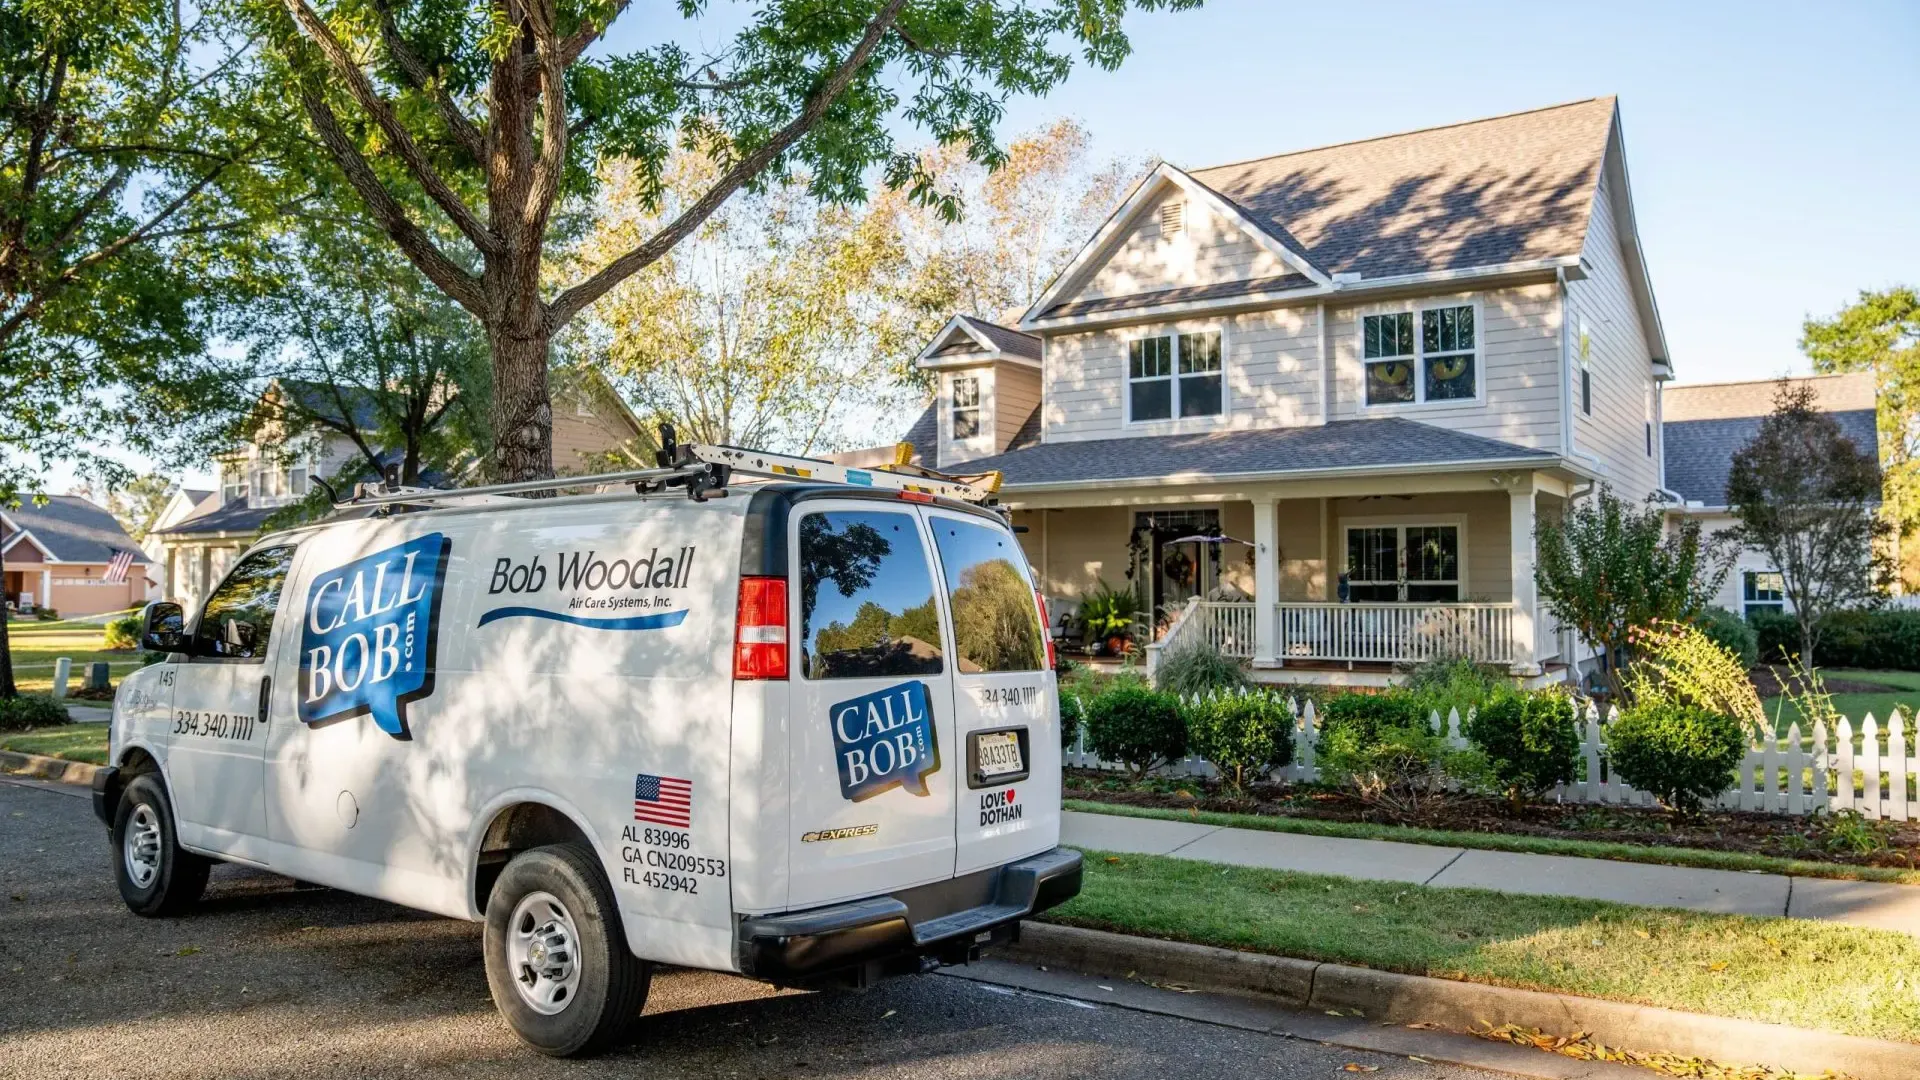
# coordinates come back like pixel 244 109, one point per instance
pixel 1303 550
pixel 1208 249
pixel 580 443
pixel 1519 331
pixel 1074 550
pixel 1271 361
pixel 1016 393
pixel 1617 355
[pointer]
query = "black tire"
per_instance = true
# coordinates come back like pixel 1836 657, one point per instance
pixel 599 1009
pixel 171 880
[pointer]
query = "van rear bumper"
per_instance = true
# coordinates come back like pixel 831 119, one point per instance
pixel 944 921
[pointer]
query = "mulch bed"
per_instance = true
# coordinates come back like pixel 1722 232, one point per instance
pixel 1815 838
pixel 1769 683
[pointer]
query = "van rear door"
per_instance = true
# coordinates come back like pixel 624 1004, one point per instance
pixel 873 763
pixel 1006 735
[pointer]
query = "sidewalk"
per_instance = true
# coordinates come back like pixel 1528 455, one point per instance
pixel 1857 903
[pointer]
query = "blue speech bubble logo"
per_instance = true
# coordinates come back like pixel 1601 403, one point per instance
pixel 885 740
pixel 367 643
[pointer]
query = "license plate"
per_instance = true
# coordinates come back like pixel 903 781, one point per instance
pixel 999 754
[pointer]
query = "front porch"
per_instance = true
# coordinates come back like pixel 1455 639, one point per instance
pixel 1339 581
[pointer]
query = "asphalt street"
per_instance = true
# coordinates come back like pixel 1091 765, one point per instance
pixel 271 978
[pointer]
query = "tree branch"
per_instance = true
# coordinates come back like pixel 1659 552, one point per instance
pixel 579 41
pixel 409 152
pixel 464 130
pixel 569 303
pixel 552 162
pixel 413 241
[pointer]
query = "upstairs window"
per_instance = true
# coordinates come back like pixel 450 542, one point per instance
pixel 1175 375
pixel 1439 364
pixel 297 481
pixel 966 407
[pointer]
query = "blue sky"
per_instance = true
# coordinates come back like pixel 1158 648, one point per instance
pixel 1772 147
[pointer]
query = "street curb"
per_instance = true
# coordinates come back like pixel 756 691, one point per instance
pixel 1393 998
pixel 48 768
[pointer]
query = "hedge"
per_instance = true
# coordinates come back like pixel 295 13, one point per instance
pixel 1887 639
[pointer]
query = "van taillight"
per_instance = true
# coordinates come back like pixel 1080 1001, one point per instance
pixel 760 634
pixel 1046 628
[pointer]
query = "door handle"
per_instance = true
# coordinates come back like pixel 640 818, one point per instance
pixel 266 694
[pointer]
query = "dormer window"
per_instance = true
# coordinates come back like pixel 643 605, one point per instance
pixel 1437 365
pixel 966 407
pixel 1174 375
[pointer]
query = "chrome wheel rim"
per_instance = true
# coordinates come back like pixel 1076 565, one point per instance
pixel 141 849
pixel 543 953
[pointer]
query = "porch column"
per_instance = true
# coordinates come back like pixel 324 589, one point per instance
pixel 45 599
pixel 1525 598
pixel 1266 583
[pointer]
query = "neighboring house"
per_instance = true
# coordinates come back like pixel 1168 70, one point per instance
pixel 70 555
pixel 195 550
pixel 1705 425
pixel 181 505
pixel 1364 372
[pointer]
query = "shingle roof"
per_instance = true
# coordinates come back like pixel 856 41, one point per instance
pixel 1006 339
pixel 1504 189
pixel 924 434
pixel 1029 433
pixel 231 517
pixel 1343 444
pixel 73 529
pixel 318 398
pixel 1182 294
pixel 1705 424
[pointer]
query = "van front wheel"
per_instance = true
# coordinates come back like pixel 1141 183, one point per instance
pixel 156 876
pixel 557 958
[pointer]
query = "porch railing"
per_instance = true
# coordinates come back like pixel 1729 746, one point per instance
pixel 1394 633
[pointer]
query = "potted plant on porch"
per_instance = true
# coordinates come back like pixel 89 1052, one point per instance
pixel 1109 615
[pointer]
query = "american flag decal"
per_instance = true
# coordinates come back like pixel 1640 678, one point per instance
pixel 663 800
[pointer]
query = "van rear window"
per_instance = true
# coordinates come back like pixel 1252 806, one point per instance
pixel 866 597
pixel 996 626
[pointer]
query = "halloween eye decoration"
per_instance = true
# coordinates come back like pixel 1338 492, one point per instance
pixel 1392 374
pixel 1449 367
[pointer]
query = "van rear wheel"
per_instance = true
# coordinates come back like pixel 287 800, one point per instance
pixel 557 959
pixel 156 876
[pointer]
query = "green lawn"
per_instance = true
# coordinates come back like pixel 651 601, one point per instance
pixel 1784 971
pixel 80 742
pixel 1536 845
pixel 1903 690
pixel 36 646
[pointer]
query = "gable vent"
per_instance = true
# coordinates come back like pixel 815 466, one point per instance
pixel 1173 217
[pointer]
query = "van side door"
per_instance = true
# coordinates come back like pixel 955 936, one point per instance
pixel 871 752
pixel 1006 721
pixel 218 737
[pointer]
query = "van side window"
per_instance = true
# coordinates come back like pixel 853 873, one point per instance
pixel 996 624
pixel 238 617
pixel 866 597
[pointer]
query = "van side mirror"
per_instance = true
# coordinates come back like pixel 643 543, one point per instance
pixel 163 628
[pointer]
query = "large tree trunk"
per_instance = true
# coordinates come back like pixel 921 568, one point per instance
pixel 7 689
pixel 522 408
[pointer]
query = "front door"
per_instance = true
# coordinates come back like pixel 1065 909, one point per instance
pixel 217 740
pixel 873 762
pixel 1006 733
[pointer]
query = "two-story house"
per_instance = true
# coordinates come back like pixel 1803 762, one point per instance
pixel 1313 405
pixel 195 549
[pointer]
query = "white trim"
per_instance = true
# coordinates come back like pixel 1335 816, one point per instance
pixel 1174 423
pixel 1098 248
pixel 20 534
pixel 1628 229
pixel 982 443
pixel 1327 378
pixel 1417 469
pixel 981 412
pixel 1418 308
pixel 1403 522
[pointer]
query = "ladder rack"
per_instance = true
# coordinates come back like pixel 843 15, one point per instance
pixel 704 470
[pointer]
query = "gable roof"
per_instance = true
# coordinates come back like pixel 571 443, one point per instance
pixel 230 517
pixel 1005 338
pixel 72 529
pixel 1705 424
pixel 966 340
pixel 1512 190
pixel 1343 444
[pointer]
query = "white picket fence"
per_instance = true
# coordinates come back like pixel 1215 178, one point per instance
pixel 1870 769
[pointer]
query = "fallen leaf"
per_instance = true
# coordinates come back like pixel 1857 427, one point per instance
pixel 1108 989
pixel 888 1013
pixel 1418 1058
pixel 1354 1066
pixel 187 950
pixel 1424 1025
pixel 1643 935
pixel 1335 1012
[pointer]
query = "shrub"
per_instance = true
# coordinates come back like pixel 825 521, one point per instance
pixel 1884 639
pixel 1679 662
pixel 1243 735
pixel 124 632
pixel 1530 741
pixel 1732 633
pixel 1777 634
pixel 46 614
pixel 1384 748
pixel 1198 668
pixel 1366 715
pixel 1139 728
pixel 1455 683
pixel 1072 714
pixel 1681 752
pixel 31 711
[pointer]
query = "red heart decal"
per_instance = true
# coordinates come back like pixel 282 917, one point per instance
pixel 1009 794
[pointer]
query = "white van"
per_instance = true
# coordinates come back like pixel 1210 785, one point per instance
pixel 802 731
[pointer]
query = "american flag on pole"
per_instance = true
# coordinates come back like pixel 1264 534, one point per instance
pixel 663 800
pixel 117 567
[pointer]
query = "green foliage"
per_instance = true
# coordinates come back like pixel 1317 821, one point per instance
pixel 1385 749
pixel 1366 715
pixel 1607 567
pixel 1808 498
pixel 1682 753
pixel 1530 740
pixel 1730 632
pixel 1459 682
pixel 1072 715
pixel 124 632
pixel 1849 832
pixel 1880 639
pixel 1777 635
pixel 1680 663
pixel 1108 611
pixel 31 711
pixel 1198 668
pixel 1244 735
pixel 1140 728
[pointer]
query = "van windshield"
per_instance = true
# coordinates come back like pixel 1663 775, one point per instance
pixel 996 626
pixel 866 597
